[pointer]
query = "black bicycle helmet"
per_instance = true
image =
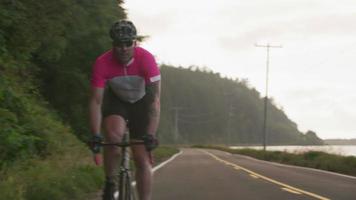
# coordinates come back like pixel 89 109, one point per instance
pixel 123 30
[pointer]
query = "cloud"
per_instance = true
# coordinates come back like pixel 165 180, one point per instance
pixel 325 109
pixel 305 28
pixel 155 24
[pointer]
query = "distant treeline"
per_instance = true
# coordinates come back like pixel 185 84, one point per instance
pixel 199 106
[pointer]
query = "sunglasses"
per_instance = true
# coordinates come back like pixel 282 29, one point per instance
pixel 127 43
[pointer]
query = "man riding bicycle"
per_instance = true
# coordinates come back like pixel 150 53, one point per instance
pixel 126 87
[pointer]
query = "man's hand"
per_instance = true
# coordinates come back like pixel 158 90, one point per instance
pixel 94 143
pixel 150 141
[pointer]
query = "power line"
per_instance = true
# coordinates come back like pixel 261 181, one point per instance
pixel 199 121
pixel 200 115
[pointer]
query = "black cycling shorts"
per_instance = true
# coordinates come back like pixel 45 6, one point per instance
pixel 137 114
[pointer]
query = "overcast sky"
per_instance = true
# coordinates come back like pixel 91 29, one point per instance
pixel 312 77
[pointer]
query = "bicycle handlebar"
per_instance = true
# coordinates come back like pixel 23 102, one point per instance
pixel 121 144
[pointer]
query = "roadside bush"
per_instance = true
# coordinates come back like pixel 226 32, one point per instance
pixel 75 183
pixel 62 176
pixel 312 159
pixel 17 138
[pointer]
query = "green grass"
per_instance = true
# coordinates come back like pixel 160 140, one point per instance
pixel 71 175
pixel 75 183
pixel 313 159
pixel 59 178
pixel 163 153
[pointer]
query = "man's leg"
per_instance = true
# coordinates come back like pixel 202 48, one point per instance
pixel 114 126
pixel 143 171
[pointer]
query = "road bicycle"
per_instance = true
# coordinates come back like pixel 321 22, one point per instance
pixel 126 189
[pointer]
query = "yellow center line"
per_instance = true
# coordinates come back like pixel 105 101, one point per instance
pixel 253 176
pixel 291 191
pixel 267 179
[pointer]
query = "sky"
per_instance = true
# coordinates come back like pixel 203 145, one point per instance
pixel 312 77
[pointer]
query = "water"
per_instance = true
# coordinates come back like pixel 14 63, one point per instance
pixel 344 150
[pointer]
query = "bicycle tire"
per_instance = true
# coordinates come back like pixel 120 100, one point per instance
pixel 126 190
pixel 122 186
pixel 132 190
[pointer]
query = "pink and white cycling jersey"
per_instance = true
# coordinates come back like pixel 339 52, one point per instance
pixel 126 81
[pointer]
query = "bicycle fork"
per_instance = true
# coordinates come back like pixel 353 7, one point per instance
pixel 125 187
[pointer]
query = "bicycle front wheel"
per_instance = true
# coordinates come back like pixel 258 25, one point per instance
pixel 126 189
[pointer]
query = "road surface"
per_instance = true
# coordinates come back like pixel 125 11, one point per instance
pixel 199 174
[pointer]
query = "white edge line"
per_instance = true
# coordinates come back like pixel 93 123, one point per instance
pixel 167 161
pixel 300 167
pixel 162 164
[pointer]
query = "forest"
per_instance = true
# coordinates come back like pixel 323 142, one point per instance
pixel 200 106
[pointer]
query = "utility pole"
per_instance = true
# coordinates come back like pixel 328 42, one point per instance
pixel 268 46
pixel 176 130
pixel 229 126
pixel 230 114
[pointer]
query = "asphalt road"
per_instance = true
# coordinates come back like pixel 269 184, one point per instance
pixel 215 175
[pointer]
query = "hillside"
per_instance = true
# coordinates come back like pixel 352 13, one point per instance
pixel 39 40
pixel 199 106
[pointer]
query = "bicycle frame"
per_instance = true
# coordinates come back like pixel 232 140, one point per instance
pixel 126 190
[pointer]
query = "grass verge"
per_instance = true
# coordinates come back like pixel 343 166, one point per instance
pixel 57 178
pixel 313 159
pixel 66 176
pixel 163 153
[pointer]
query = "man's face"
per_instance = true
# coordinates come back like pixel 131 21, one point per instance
pixel 124 50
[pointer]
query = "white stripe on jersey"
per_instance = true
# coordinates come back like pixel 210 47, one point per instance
pixel 155 78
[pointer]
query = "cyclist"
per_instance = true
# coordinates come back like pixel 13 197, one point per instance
pixel 126 86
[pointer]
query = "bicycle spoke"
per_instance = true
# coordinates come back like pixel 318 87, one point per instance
pixel 122 182
pixel 126 191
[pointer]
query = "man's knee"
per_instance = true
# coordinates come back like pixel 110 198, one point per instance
pixel 114 128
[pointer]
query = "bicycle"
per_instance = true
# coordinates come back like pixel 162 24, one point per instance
pixel 126 190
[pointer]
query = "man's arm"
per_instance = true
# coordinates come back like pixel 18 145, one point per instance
pixel 154 89
pixel 95 102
